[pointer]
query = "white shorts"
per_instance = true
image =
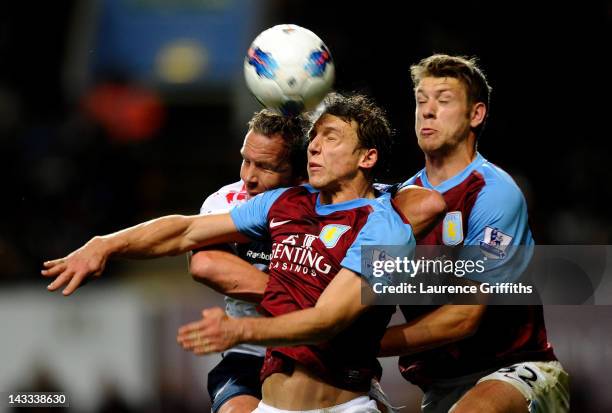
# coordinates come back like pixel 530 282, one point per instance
pixel 544 384
pixel 362 404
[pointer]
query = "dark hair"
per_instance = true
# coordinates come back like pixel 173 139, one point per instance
pixel 461 68
pixel 293 130
pixel 373 130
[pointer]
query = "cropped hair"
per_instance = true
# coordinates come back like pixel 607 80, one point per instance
pixel 292 129
pixel 373 128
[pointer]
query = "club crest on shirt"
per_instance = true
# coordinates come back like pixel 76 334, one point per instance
pixel 330 234
pixel 495 243
pixel 452 228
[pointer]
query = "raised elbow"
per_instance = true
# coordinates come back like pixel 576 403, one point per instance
pixel 422 207
pixel 434 203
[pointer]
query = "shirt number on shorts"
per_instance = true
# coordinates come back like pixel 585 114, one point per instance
pixel 528 379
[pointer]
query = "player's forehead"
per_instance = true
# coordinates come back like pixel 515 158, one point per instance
pixel 436 85
pixel 258 145
pixel 328 123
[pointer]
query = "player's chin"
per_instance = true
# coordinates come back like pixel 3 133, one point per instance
pixel 316 182
pixel 315 177
pixel 429 144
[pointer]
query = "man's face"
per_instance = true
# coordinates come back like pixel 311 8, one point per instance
pixel 264 163
pixel 442 118
pixel 334 152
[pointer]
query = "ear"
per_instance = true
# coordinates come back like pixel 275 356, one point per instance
pixel 478 114
pixel 369 158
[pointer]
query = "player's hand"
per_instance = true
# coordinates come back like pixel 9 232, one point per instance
pixel 215 332
pixel 75 268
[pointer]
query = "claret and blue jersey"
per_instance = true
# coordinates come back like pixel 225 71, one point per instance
pixel 311 242
pixel 485 208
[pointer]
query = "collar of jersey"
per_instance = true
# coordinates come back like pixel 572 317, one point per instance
pixel 455 180
pixel 326 209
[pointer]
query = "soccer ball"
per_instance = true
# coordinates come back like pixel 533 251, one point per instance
pixel 289 69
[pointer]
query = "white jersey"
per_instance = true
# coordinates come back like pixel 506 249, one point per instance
pixel 256 253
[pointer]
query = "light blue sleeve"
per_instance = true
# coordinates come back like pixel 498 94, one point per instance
pixel 498 225
pixel 502 208
pixel 251 218
pixel 383 227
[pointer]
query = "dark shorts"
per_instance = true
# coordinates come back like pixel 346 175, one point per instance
pixel 237 374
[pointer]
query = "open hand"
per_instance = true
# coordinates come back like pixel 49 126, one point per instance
pixel 75 268
pixel 215 332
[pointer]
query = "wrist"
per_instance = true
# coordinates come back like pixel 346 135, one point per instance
pixel 246 332
pixel 107 245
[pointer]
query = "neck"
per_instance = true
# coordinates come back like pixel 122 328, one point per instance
pixel 358 188
pixel 443 166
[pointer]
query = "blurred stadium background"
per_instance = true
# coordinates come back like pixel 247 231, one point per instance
pixel 116 111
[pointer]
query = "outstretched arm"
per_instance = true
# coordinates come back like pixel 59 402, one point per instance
pixel 170 235
pixel 339 305
pixel 444 325
pixel 228 274
pixel 422 207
